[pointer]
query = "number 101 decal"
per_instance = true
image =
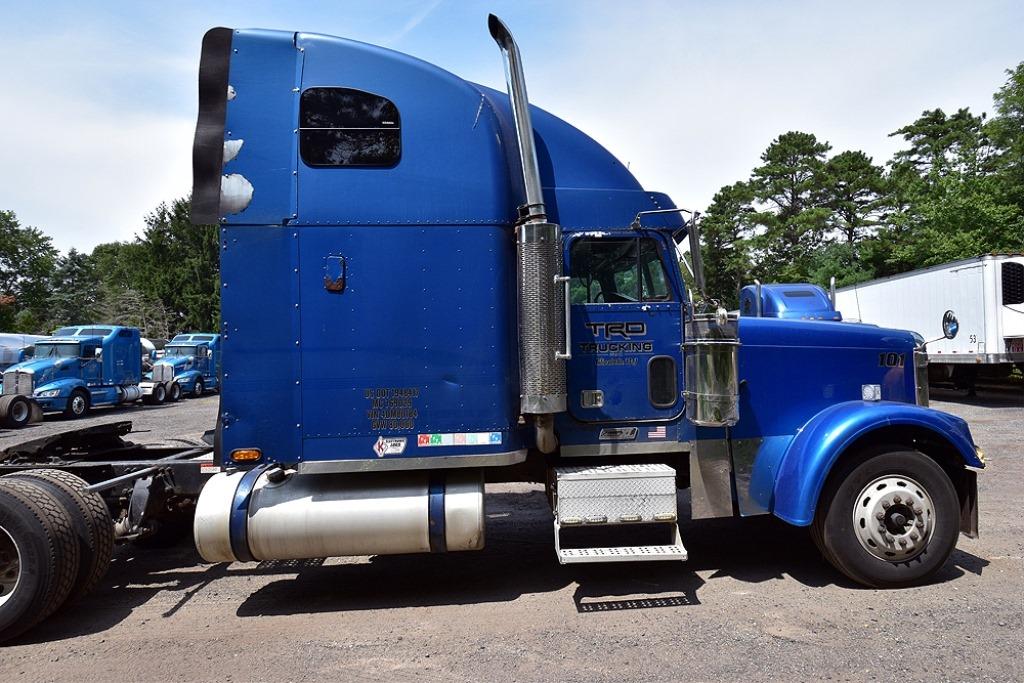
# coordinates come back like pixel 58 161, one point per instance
pixel 891 359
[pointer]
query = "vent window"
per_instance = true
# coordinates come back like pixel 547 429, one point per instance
pixel 347 127
pixel 1013 283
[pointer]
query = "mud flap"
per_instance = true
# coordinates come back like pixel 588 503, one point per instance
pixel 969 505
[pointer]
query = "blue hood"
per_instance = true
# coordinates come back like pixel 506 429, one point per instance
pixel 178 363
pixel 46 370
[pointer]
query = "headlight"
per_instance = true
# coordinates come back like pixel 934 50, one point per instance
pixel 921 376
pixel 49 393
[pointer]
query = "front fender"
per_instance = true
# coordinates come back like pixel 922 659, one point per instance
pixel 64 384
pixel 816 447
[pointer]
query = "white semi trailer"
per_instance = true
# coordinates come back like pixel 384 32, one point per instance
pixel 985 292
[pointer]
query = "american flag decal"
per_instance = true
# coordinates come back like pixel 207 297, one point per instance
pixel 656 432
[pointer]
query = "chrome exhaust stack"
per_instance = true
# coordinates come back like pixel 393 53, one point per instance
pixel 542 290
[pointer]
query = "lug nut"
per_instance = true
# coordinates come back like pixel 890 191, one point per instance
pixel 918 510
pixel 897 499
pixel 886 504
pixel 920 524
pixel 880 516
pixel 913 536
pixel 903 543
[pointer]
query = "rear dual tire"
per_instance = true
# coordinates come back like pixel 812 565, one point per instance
pixel 56 544
pixel 39 556
pixel 888 521
pixel 158 397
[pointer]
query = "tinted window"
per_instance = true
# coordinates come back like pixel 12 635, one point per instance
pixel 346 127
pixel 94 332
pixel 65 332
pixel 616 271
pixel 1013 283
pixel 798 293
pixel 202 337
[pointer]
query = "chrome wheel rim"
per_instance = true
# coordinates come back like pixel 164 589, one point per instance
pixel 19 411
pixel 77 405
pixel 10 566
pixel 894 518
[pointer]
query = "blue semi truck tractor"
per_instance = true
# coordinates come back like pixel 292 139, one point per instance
pixel 190 366
pixel 78 368
pixel 428 284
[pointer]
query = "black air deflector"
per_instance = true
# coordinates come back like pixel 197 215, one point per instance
pixel 208 147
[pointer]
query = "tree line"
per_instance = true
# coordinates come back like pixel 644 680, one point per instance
pixel 955 190
pixel 164 281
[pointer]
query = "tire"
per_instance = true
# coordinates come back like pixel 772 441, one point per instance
pixel 42 537
pixel 91 518
pixel 19 412
pixel 159 395
pixel 78 404
pixel 174 393
pixel 918 528
pixel 199 388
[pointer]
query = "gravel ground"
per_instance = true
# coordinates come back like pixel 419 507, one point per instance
pixel 755 602
pixel 185 421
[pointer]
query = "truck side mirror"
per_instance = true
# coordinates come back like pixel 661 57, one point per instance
pixel 98 354
pixel 950 325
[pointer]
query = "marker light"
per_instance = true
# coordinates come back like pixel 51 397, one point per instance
pixel 246 454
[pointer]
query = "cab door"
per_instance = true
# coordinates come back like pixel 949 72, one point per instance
pixel 625 326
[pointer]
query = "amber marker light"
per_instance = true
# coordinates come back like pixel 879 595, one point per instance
pixel 246 454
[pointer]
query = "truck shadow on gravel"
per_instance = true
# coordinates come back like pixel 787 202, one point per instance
pixel 519 559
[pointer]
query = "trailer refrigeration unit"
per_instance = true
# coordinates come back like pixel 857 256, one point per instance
pixel 987 294
pixel 428 285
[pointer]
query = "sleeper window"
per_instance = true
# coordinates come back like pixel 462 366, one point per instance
pixel 347 127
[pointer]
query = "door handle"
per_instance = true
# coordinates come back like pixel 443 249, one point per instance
pixel 567 354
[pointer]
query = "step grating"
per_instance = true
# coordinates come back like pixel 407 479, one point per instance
pixel 622 554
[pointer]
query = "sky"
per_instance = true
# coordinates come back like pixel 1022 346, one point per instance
pixel 98 99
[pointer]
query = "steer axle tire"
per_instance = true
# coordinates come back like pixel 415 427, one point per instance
pixel 90 518
pixel 38 556
pixel 889 520
pixel 78 405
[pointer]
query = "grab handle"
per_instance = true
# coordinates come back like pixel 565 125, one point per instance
pixel 567 354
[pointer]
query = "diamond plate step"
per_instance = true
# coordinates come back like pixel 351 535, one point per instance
pixel 636 553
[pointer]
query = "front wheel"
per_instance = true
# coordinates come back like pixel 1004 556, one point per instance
pixel 889 521
pixel 199 388
pixel 78 404
pixel 174 393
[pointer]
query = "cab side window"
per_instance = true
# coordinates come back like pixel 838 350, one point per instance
pixel 615 271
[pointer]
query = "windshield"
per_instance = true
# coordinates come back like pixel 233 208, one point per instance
pixel 179 351
pixel 67 350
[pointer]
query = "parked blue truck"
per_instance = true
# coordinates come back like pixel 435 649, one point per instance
pixel 428 285
pixel 190 365
pixel 76 369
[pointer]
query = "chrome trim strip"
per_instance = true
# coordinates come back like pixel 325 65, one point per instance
pixel 425 463
pixel 622 448
pixel 974 358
